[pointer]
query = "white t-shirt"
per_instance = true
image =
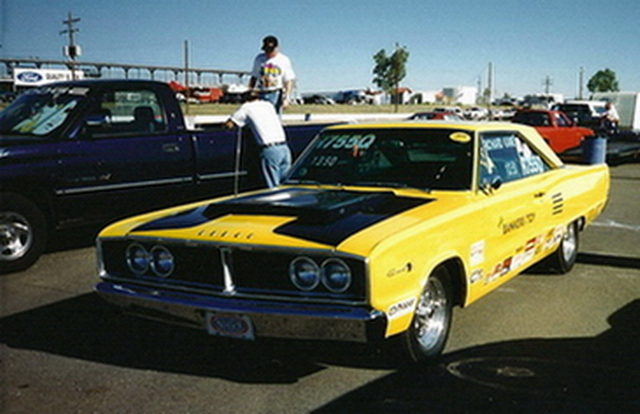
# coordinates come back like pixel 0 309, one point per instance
pixel 272 73
pixel 261 116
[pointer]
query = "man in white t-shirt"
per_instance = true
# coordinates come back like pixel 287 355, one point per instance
pixel 265 124
pixel 273 74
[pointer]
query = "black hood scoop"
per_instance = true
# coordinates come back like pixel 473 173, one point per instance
pixel 324 216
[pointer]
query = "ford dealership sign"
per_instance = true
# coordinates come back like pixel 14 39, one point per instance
pixel 37 77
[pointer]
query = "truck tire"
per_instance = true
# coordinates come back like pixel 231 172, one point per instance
pixel 427 335
pixel 23 233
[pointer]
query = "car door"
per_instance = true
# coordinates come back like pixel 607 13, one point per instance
pixel 517 185
pixel 124 160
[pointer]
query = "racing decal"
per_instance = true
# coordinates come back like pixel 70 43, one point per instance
pixel 554 237
pixel 525 254
pixel 401 308
pixel 517 223
pixel 476 276
pixel 460 137
pixel 476 255
pixel 500 270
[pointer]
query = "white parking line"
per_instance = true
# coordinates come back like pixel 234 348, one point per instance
pixel 615 224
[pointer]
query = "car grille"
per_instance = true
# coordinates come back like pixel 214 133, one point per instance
pixel 251 272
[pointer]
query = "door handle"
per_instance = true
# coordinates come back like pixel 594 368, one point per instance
pixel 539 194
pixel 170 148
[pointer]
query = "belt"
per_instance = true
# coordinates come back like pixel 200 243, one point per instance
pixel 273 144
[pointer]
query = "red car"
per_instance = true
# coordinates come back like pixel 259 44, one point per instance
pixel 560 132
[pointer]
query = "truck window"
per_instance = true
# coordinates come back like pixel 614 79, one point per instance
pixel 41 111
pixel 126 112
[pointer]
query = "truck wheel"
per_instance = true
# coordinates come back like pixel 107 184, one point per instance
pixel 427 335
pixel 563 259
pixel 22 233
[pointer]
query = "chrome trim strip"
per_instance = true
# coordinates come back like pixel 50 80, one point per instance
pixel 120 186
pixel 214 176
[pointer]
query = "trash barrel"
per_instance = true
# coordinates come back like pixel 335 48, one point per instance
pixel 594 149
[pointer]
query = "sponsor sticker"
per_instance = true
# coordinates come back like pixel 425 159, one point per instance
pixel 476 254
pixel 401 308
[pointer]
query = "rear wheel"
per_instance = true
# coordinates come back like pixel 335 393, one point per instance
pixel 427 335
pixel 22 233
pixel 563 259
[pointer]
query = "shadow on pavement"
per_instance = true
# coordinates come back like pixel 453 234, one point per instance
pixel 582 375
pixel 597 374
pixel 87 328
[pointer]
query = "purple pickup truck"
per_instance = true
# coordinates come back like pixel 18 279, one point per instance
pixel 88 152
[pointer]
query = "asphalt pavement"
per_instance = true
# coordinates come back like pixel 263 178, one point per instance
pixel 541 343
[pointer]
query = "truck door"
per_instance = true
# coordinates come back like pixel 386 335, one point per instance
pixel 124 160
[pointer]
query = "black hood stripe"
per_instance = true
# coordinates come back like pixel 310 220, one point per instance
pixel 323 216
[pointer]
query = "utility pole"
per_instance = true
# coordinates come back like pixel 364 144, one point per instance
pixel 186 75
pixel 490 89
pixel 72 50
pixel 547 82
pixel 581 83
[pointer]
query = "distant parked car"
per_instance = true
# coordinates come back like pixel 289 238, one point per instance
pixel 476 113
pixel 431 116
pixel 584 113
pixel 317 100
pixel 560 132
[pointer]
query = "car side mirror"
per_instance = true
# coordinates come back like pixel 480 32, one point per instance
pixel 491 184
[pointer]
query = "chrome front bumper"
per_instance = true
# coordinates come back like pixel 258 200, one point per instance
pixel 269 319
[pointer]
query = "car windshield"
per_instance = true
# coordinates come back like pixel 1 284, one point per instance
pixel 429 159
pixel 40 111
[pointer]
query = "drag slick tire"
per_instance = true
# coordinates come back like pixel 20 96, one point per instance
pixel 23 233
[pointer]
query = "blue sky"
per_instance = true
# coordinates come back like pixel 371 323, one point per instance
pixel 332 42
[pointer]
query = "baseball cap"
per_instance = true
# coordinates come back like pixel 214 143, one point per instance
pixel 269 43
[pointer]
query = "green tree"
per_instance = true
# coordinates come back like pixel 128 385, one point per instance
pixel 603 81
pixel 390 69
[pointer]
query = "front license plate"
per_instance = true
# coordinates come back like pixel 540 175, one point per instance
pixel 229 325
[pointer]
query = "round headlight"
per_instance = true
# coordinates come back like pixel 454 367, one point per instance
pixel 304 273
pixel 162 261
pixel 137 258
pixel 336 275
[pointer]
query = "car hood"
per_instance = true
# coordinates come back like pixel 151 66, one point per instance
pixel 324 216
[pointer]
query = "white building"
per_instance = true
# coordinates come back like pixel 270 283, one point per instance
pixel 465 95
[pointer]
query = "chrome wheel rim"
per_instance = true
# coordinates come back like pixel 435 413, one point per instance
pixel 431 314
pixel 569 243
pixel 16 236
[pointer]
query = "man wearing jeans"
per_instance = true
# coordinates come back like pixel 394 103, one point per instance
pixel 265 124
pixel 272 74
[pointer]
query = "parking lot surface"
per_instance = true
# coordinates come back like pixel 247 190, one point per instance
pixel 540 343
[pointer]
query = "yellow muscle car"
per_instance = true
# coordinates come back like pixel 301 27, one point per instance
pixel 377 232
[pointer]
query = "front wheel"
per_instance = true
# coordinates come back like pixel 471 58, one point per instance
pixel 427 335
pixel 22 233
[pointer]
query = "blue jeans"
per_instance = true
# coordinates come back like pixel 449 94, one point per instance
pixel 276 160
pixel 275 98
